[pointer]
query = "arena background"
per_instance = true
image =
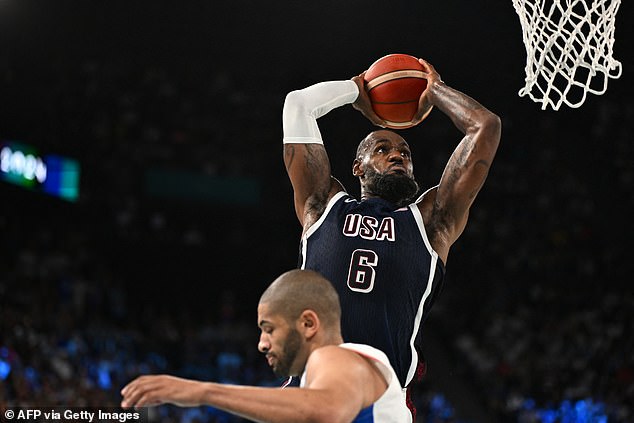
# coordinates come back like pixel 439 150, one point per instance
pixel 184 215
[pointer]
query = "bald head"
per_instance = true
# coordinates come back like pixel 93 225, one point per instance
pixel 298 290
pixel 368 142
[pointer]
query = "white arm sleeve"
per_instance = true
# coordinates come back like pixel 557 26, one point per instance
pixel 302 108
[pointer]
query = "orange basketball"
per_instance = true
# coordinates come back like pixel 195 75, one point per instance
pixel 394 84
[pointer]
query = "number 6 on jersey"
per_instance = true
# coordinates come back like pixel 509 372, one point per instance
pixel 361 274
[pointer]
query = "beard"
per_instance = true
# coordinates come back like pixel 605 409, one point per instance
pixel 288 355
pixel 397 188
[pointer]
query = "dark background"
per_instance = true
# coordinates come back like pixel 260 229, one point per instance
pixel 194 91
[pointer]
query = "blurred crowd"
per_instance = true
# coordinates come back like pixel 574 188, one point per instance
pixel 546 329
pixel 122 283
pixel 73 336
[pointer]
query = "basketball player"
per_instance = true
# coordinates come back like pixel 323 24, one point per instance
pixel 299 318
pixel 386 253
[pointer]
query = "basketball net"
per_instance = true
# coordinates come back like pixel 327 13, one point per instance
pixel 568 49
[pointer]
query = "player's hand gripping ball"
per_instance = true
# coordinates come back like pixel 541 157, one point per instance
pixel 394 84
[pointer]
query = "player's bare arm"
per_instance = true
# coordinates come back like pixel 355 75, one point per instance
pixel 308 168
pixel 253 403
pixel 351 381
pixel 447 208
pixel 340 384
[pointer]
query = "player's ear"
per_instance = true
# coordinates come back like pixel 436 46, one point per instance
pixel 309 323
pixel 357 168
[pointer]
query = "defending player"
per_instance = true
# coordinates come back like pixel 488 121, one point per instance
pixel 299 316
pixel 384 254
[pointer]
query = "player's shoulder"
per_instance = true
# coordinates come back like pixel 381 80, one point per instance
pixel 341 199
pixel 425 202
pixel 330 351
pixel 366 350
pixel 335 355
pixel 331 364
pixel 427 197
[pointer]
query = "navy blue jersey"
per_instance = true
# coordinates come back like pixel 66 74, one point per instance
pixel 386 273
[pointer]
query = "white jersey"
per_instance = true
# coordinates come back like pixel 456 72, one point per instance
pixel 391 406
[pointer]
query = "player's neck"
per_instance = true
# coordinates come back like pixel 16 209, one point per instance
pixel 329 338
pixel 367 194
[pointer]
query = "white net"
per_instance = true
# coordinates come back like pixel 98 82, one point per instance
pixel 568 49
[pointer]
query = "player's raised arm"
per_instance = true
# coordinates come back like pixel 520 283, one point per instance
pixel 305 157
pixel 468 165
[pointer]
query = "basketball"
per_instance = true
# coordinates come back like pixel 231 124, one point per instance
pixel 394 84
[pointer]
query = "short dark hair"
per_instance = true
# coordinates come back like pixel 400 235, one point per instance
pixel 298 290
